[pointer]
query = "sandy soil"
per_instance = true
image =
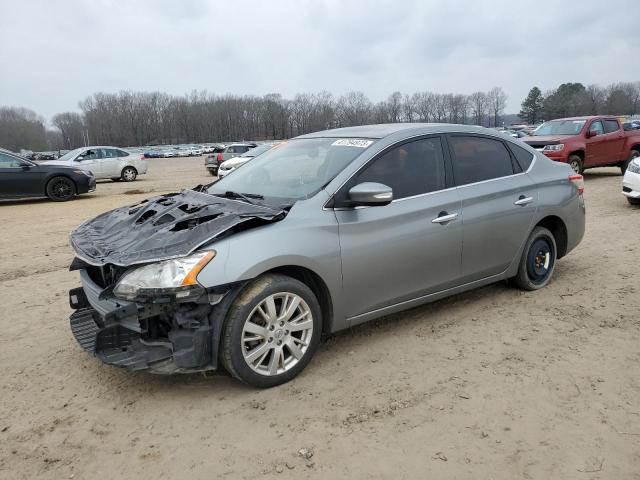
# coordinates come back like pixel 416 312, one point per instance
pixel 495 383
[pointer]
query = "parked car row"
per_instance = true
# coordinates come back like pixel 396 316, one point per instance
pixel 180 151
pixel 72 174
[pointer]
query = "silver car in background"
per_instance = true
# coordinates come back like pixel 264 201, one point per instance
pixel 105 162
pixel 230 165
pixel 325 232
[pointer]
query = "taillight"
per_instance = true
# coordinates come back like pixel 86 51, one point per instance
pixel 142 157
pixel 220 157
pixel 578 180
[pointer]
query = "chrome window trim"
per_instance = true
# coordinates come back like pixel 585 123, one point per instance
pixel 426 135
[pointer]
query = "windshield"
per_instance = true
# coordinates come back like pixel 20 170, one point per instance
pixel 254 152
pixel 293 170
pixel 560 127
pixel 69 155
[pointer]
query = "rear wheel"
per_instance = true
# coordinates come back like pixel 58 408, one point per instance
pixel 272 330
pixel 538 260
pixel 633 201
pixel 60 189
pixel 129 174
pixel 575 162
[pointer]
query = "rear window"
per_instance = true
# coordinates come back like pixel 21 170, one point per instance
pixel 478 159
pixel 523 157
pixel 610 126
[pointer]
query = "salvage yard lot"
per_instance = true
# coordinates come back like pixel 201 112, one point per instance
pixel 495 383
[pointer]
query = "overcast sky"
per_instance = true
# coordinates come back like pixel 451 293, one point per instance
pixel 54 54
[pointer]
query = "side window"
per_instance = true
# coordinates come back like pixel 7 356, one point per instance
pixel 478 158
pixel 410 169
pixel 88 155
pixel 523 157
pixel 610 126
pixel 241 149
pixel 121 153
pixel 597 127
pixel 231 150
pixel 9 161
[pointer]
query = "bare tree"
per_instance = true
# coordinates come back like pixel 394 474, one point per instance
pixel 479 104
pixel 497 101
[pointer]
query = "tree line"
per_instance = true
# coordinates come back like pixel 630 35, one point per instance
pixel 574 99
pixel 154 118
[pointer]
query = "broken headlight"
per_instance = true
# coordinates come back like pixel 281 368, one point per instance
pixel 169 277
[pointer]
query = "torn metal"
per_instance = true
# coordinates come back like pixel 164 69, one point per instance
pixel 164 227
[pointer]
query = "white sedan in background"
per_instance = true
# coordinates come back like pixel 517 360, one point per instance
pixel 631 181
pixel 104 162
pixel 230 165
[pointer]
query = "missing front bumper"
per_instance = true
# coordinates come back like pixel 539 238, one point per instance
pixel 129 335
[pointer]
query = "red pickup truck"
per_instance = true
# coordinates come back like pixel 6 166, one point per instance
pixel 586 142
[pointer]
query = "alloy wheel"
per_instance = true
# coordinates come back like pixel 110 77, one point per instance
pixel 277 334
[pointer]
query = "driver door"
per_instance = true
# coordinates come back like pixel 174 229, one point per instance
pixel 19 178
pixel 401 251
pixel 597 146
pixel 89 160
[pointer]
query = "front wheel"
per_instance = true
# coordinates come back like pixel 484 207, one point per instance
pixel 61 189
pixel 271 332
pixel 575 162
pixel 538 260
pixel 129 174
pixel 633 201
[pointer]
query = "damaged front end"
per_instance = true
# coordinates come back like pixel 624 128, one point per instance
pixel 135 308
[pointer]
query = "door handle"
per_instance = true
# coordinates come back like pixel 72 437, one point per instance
pixel 522 201
pixel 444 217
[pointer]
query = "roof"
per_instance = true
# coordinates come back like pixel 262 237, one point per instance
pixel 385 129
pixel 586 117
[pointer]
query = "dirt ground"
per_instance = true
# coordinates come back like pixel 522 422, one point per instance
pixel 492 384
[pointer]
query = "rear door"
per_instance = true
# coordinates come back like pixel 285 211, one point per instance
pixel 110 162
pixel 400 251
pixel 615 140
pixel 498 202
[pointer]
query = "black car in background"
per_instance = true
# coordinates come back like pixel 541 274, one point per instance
pixel 22 178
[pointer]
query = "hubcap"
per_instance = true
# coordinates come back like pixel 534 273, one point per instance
pixel 61 189
pixel 128 174
pixel 575 166
pixel 539 261
pixel 277 334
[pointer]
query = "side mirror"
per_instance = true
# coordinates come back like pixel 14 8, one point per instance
pixel 592 133
pixel 25 167
pixel 371 194
pixel 79 159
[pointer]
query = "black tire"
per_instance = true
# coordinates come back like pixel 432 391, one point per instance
pixel 575 162
pixel 633 201
pixel 128 174
pixel 61 189
pixel 625 163
pixel 213 172
pixel 231 351
pixel 536 269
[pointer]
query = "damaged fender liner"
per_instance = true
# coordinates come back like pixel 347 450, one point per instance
pixel 164 227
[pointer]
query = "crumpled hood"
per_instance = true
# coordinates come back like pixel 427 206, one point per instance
pixel 163 227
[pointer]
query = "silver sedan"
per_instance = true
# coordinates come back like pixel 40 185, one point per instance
pixel 325 232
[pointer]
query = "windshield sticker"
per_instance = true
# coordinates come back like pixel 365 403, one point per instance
pixel 352 142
